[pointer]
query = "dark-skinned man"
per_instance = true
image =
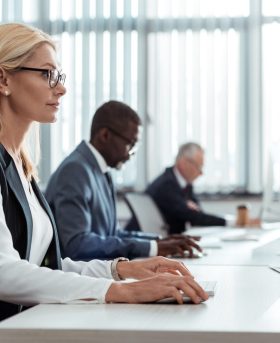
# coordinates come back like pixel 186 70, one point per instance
pixel 82 196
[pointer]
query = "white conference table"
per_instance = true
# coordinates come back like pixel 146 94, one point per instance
pixel 245 308
pixel 261 252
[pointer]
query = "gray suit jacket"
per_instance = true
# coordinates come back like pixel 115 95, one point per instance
pixel 84 209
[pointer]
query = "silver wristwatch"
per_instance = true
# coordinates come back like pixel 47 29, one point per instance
pixel 114 271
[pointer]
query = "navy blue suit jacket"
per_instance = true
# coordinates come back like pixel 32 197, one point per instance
pixel 171 200
pixel 84 209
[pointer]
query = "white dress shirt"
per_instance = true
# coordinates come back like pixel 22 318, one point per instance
pixel 42 233
pixel 104 168
pixel 182 182
pixel 24 282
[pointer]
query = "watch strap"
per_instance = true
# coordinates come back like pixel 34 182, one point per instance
pixel 114 271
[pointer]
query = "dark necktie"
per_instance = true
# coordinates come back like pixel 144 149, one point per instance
pixel 188 190
pixel 110 182
pixel 112 192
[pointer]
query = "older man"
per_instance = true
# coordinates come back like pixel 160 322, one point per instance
pixel 173 192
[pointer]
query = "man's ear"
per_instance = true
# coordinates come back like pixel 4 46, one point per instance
pixel 4 82
pixel 103 135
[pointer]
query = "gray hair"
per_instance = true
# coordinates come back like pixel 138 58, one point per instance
pixel 188 150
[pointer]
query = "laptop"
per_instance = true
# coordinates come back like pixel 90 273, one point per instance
pixel 275 268
pixel 270 208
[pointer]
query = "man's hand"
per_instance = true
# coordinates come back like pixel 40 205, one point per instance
pixel 254 222
pixel 177 245
pixel 193 206
pixel 251 222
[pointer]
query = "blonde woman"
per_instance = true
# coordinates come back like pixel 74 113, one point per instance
pixel 31 269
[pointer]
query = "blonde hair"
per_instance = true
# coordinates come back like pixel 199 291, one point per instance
pixel 18 43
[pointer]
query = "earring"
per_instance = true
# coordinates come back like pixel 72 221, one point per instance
pixel 7 92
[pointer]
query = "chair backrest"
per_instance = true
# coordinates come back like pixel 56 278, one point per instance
pixel 146 213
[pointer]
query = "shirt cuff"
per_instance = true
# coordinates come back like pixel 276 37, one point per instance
pixel 153 248
pixel 99 290
pixel 230 222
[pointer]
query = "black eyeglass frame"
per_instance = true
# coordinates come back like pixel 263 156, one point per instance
pixel 130 144
pixel 60 76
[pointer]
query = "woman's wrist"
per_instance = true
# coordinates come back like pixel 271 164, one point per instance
pixel 123 269
pixel 118 293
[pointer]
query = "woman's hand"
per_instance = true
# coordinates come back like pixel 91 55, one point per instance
pixel 141 269
pixel 155 288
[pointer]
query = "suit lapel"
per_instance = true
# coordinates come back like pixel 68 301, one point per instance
pixel 107 195
pixel 101 181
pixel 15 184
pixel 171 176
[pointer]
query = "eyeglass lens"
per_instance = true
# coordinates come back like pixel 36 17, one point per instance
pixel 55 77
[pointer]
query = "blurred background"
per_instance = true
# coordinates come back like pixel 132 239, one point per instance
pixel 195 70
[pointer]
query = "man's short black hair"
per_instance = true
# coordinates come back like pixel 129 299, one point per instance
pixel 113 114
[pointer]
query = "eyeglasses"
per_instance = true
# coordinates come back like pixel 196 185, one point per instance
pixel 196 166
pixel 130 145
pixel 54 76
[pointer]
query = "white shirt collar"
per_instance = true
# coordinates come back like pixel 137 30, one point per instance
pixel 182 182
pixel 99 158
